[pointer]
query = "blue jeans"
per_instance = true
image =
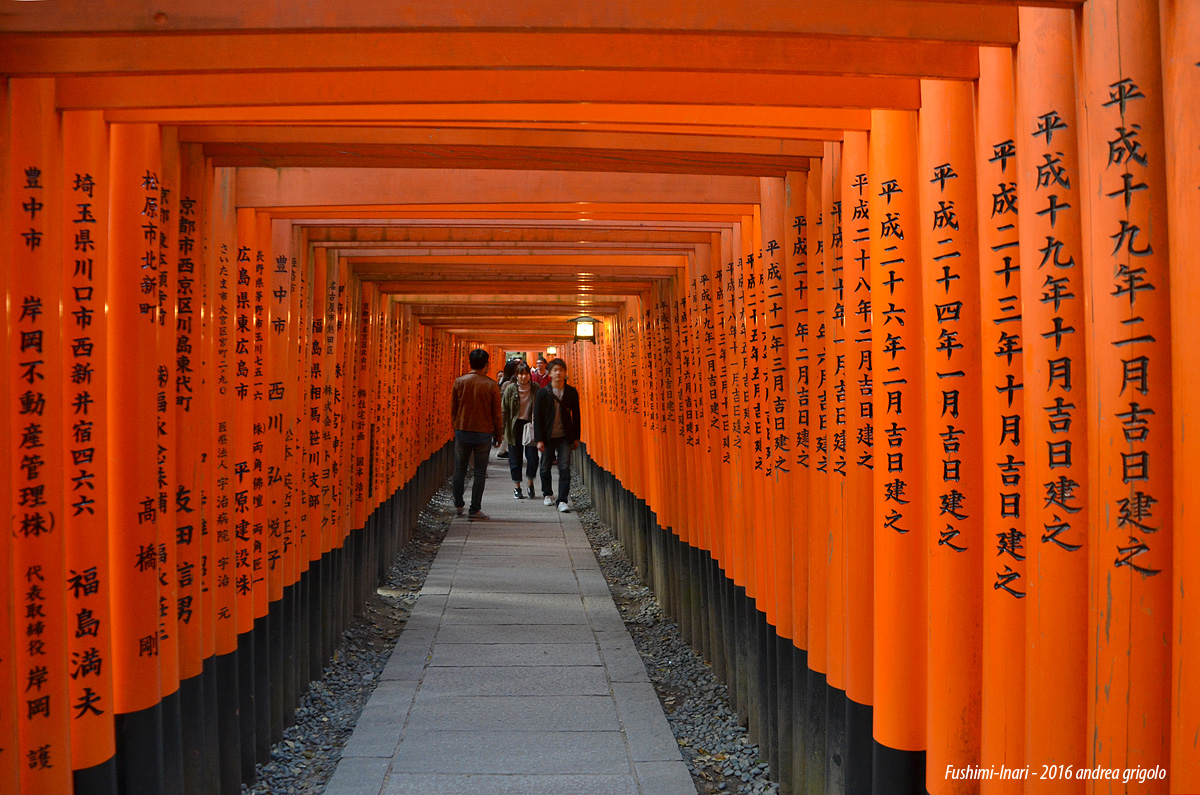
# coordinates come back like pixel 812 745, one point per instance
pixel 514 456
pixel 561 448
pixel 463 453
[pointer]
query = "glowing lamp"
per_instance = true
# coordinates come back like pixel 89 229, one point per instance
pixel 585 328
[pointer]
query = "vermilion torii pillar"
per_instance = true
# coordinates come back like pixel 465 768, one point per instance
pixel 901 564
pixel 1004 536
pixel 1126 253
pixel 953 421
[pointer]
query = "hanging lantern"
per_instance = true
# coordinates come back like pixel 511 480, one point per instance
pixel 585 328
pixel 551 350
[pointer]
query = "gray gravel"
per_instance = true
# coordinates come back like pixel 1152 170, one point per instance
pixel 714 744
pixel 304 761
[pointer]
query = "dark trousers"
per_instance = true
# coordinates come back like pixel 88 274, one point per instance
pixel 463 453
pixel 514 456
pixel 560 447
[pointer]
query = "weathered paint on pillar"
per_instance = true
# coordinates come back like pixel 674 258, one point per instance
pixel 798 289
pixel 953 421
pixel 35 406
pixel 780 397
pixel 901 557
pixel 220 269
pixel 167 452
pixel 133 378
pixel 836 416
pixel 858 516
pixel 1129 390
pixel 1181 86
pixel 818 492
pixel 85 282
pixel 1055 394
pixel 1005 540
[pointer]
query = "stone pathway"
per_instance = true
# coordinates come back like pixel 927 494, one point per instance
pixel 514 674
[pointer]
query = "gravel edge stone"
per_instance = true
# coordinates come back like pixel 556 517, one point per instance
pixel 304 761
pixel 719 753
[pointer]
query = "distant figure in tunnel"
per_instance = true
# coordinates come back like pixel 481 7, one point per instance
pixel 517 409
pixel 539 375
pixel 475 412
pixel 556 430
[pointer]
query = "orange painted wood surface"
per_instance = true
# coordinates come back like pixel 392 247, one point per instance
pixel 928 442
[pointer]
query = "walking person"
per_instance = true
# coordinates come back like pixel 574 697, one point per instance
pixel 475 413
pixel 539 375
pixel 516 409
pixel 506 377
pixel 556 429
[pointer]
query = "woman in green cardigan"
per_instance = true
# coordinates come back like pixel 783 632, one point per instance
pixel 516 411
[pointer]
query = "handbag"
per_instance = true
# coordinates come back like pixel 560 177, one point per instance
pixel 527 433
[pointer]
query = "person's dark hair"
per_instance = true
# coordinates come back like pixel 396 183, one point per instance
pixel 510 369
pixel 522 368
pixel 556 362
pixel 479 359
pixel 541 360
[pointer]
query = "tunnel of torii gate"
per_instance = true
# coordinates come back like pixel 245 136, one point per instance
pixel 890 396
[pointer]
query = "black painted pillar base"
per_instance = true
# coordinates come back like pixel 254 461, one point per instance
pixel 897 772
pixel 192 727
pixel 139 757
pixel 98 779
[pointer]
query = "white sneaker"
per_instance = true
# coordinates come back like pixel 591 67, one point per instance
pixel 548 501
pixel 562 508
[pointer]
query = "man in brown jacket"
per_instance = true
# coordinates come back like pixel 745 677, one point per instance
pixel 475 412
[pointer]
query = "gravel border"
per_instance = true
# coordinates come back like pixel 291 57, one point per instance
pixel 720 755
pixel 304 761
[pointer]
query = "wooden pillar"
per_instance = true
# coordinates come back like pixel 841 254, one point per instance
pixel 818 492
pixel 780 418
pixel 193 453
pixel 735 361
pixel 763 541
pixel 953 422
pixel 42 612
pixel 798 291
pixel 1126 256
pixel 133 512
pixel 221 273
pixel 165 461
pixel 9 739
pixel 1004 534
pixel 85 267
pixel 1181 86
pixel 858 518
pixel 1054 388
pixel 836 416
pixel 901 557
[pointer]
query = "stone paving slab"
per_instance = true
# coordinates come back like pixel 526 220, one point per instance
pixel 518 681
pixel 515 713
pixel 514 674
pixel 425 784
pixel 506 600
pixel 665 778
pixel 650 738
pixel 515 579
pixel 515 615
pixel 377 732
pixel 521 752
pixel 520 561
pixel 512 654
pixel 516 633
pixel 358 776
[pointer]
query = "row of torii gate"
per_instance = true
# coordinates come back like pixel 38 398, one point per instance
pixel 896 337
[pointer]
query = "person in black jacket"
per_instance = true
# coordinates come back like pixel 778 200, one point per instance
pixel 556 431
